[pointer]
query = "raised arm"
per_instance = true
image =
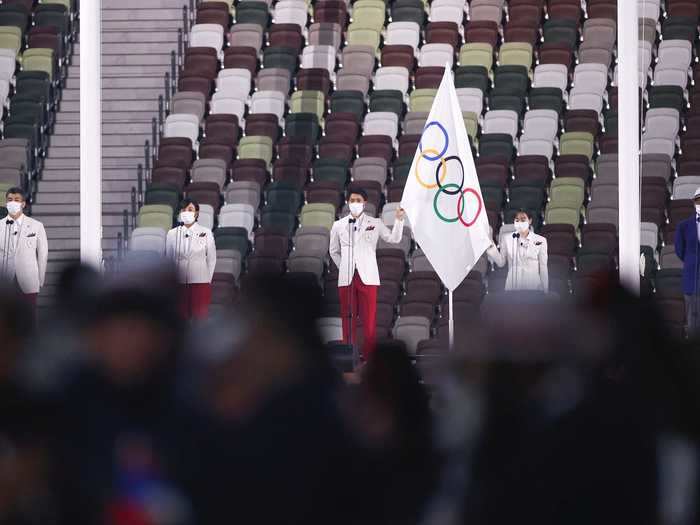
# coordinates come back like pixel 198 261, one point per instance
pixel 495 256
pixel 394 235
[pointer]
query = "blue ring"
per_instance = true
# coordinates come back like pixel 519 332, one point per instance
pixel 447 141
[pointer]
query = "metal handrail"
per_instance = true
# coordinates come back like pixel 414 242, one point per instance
pixel 155 133
pixel 168 86
pixel 139 184
pixel 133 208
pixel 147 158
pixel 161 116
pixel 185 23
pixel 120 246
pixel 125 224
pixel 173 73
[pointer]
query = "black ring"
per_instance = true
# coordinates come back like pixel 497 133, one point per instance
pixel 437 176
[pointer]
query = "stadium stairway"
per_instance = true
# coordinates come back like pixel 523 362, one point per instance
pixel 138 38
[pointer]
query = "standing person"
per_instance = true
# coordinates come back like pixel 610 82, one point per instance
pixel 686 243
pixel 24 248
pixel 192 247
pixel 526 255
pixel 353 248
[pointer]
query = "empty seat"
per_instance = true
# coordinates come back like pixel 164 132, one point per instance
pixel 182 125
pixel 148 239
pixel 207 35
pixel 411 330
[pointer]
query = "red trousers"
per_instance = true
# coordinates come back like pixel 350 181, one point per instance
pixel 364 304
pixel 195 300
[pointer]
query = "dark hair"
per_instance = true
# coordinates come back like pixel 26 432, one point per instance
pixel 17 190
pixel 357 191
pixel 523 210
pixel 186 202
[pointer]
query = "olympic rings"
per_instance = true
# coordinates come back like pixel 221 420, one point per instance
pixel 444 134
pixel 439 181
pixel 442 164
pixel 460 206
pixel 435 206
pixel 447 189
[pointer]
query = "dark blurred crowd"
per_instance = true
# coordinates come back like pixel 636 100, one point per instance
pixel 113 411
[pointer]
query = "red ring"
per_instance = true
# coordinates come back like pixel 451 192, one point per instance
pixel 459 202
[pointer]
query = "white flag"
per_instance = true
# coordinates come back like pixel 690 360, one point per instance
pixel 442 197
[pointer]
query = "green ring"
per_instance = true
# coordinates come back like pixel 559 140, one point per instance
pixel 437 194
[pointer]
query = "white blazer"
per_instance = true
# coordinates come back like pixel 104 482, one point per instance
pixel 26 254
pixel 527 271
pixel 368 232
pixel 196 253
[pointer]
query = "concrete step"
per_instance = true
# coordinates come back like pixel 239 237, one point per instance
pixel 69 191
pixel 131 82
pixel 64 255
pixel 47 198
pixel 73 174
pixel 73 208
pixel 73 232
pixel 117 197
pixel 109 162
pixel 148 25
pixel 138 48
pixel 108 140
pixel 50 187
pixel 142 14
pixel 142 59
pixel 131 70
pixel 64 152
pixel 57 174
pixel 163 36
pixel 139 128
pixel 132 116
pixel 120 174
pixel 115 106
pixel 136 4
pixel 123 151
pixel 73 220
pixel 60 186
pixel 66 245
pixel 118 93
pixel 65 128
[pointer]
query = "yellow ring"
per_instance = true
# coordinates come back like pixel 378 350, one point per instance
pixel 443 166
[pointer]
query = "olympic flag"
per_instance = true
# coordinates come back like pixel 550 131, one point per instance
pixel 442 196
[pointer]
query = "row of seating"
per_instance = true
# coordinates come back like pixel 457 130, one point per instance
pixel 538 91
pixel 35 42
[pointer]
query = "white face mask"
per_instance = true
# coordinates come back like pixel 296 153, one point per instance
pixel 697 209
pixel 521 226
pixel 356 208
pixel 187 217
pixel 13 207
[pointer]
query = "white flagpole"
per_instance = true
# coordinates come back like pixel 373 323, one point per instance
pixel 628 155
pixel 452 324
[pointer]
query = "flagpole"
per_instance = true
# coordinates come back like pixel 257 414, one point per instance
pixel 452 323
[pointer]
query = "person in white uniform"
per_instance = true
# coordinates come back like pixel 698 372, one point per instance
pixel 526 255
pixel 353 246
pixel 23 248
pixel 192 247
